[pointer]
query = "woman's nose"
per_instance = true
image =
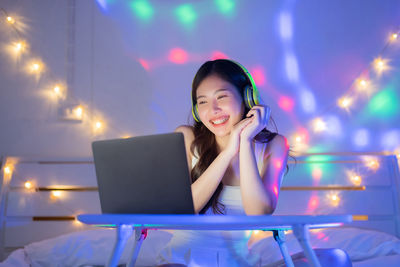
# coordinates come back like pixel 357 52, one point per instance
pixel 215 106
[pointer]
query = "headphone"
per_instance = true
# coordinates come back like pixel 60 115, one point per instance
pixel 250 93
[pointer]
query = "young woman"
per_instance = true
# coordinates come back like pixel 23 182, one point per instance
pixel 236 164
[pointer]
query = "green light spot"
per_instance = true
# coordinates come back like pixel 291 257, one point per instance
pixel 186 14
pixel 226 7
pixel 385 104
pixel 142 9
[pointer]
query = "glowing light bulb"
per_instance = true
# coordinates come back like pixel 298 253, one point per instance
pixel 394 36
pixel 345 102
pixel 98 125
pixel 319 125
pixel 57 89
pixel 78 112
pixel 77 223
pixel 56 194
pixel 356 180
pixel 373 164
pixel 18 47
pixel 363 83
pixel 7 170
pixel 380 65
pixel 10 20
pixel 298 138
pixel 28 185
pixel 334 199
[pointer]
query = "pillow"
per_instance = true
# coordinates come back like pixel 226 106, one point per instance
pixel 93 247
pixel 360 244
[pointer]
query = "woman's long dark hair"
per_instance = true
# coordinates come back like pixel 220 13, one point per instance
pixel 204 145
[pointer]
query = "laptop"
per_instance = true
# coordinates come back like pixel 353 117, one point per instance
pixel 143 175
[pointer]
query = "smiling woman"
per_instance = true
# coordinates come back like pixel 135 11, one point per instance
pixel 236 164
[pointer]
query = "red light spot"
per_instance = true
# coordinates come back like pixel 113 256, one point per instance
pixel 286 103
pixel 326 238
pixel 178 56
pixel 218 55
pixel 145 64
pixel 258 76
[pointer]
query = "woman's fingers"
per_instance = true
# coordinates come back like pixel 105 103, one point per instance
pixel 262 113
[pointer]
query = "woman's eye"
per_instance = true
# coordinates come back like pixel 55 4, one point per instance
pixel 221 96
pixel 201 102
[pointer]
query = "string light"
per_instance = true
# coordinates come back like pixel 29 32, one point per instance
pixel 394 37
pixel 356 180
pixel 98 125
pixel 28 185
pixel 55 194
pixel 334 199
pixel 319 125
pixel 380 65
pixel 78 112
pixel 10 20
pixel 345 102
pixel 372 164
pixel 7 170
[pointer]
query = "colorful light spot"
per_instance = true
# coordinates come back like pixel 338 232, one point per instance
pixel 384 104
pixel 278 164
pixel 316 174
pixel 226 7
pixel 276 191
pixel 186 14
pixel 218 55
pixel 313 203
pixel 286 103
pixel 142 9
pixel 258 75
pixel 145 64
pixel 178 56
pixel 361 137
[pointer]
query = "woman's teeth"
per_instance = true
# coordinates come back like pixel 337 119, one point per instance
pixel 220 121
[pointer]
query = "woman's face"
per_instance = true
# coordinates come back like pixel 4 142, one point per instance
pixel 220 105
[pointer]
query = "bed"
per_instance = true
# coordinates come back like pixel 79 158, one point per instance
pixel 41 197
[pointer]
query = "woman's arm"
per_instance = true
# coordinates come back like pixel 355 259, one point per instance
pixel 260 190
pixel 204 187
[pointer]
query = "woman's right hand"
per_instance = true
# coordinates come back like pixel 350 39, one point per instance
pixel 234 139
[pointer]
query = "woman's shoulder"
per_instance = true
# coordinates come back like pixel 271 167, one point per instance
pixel 187 131
pixel 279 144
pixel 188 135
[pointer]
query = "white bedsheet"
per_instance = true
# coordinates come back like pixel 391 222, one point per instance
pixel 87 248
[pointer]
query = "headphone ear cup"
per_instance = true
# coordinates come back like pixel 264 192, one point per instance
pixel 249 97
pixel 195 113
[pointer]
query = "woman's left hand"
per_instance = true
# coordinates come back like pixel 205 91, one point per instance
pixel 259 119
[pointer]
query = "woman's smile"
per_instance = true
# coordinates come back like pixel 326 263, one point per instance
pixel 220 121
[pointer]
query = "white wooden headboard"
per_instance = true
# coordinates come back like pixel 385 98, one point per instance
pixel 316 184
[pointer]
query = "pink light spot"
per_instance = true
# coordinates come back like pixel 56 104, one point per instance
pixel 275 190
pixel 218 55
pixel 316 174
pixel 313 203
pixel 286 103
pixel 145 64
pixel 258 76
pixel 178 56
pixel 326 238
pixel 320 235
pixel 278 164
